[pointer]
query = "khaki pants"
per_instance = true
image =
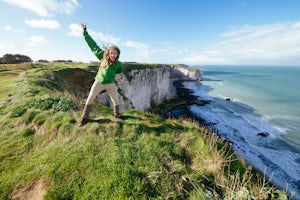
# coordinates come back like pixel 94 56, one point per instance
pixel 97 87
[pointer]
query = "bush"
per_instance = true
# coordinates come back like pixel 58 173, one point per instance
pixel 60 103
pixel 18 111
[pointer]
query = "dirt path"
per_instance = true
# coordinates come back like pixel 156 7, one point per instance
pixel 35 190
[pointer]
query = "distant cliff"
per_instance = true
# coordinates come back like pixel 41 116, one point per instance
pixel 139 88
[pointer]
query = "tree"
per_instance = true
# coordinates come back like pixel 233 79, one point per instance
pixel 14 59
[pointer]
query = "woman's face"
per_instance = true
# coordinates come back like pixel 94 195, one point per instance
pixel 113 54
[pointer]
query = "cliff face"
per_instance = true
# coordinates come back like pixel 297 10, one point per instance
pixel 142 87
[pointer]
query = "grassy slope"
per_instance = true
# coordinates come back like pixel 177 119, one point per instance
pixel 140 157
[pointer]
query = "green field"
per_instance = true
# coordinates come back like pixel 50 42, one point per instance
pixel 44 154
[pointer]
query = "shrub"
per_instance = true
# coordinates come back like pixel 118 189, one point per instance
pixel 18 111
pixel 59 103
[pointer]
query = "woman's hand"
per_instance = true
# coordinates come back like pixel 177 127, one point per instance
pixel 83 25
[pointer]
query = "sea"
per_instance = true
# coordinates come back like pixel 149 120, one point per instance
pixel 257 109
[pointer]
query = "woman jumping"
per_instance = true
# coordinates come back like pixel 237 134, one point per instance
pixel 104 80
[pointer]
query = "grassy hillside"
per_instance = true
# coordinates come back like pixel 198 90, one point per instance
pixel 44 154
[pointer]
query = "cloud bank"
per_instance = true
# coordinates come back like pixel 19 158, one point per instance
pixel 265 44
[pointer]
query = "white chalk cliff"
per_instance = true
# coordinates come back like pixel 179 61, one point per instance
pixel 142 87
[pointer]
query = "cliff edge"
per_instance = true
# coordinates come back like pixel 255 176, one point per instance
pixel 139 88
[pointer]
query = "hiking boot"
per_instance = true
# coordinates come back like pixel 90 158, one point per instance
pixel 116 112
pixel 85 115
pixel 83 121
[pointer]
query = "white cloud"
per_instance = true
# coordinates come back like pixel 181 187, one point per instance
pixel 75 30
pixel 10 28
pixel 37 40
pixel 136 45
pixel 46 8
pixel 43 23
pixel 265 44
pixel 135 49
pixel 69 6
pixel 104 38
pixel 140 50
pixel 99 37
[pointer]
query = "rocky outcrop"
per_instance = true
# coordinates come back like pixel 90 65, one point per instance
pixel 141 88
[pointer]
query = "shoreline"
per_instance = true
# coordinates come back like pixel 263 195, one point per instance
pixel 188 98
pixel 186 95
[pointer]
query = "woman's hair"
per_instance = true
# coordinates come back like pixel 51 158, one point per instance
pixel 106 53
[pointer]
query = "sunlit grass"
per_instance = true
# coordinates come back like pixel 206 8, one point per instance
pixel 141 156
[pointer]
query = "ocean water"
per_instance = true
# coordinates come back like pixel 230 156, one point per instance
pixel 263 99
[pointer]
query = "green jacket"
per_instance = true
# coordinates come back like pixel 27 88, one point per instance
pixel 106 74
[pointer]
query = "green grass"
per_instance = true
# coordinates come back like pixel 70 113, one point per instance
pixel 6 80
pixel 142 156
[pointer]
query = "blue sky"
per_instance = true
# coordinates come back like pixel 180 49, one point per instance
pixel 202 32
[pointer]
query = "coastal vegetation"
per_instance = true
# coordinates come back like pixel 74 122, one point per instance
pixel 44 154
